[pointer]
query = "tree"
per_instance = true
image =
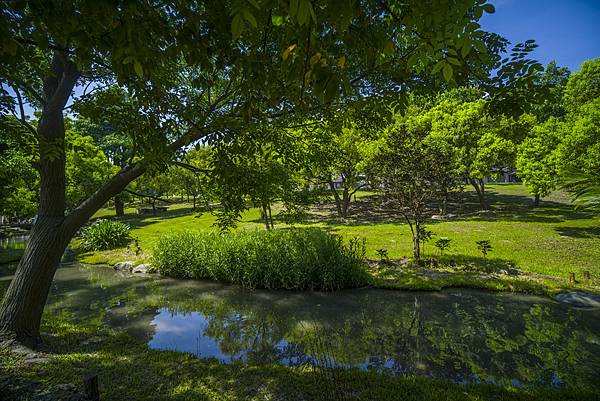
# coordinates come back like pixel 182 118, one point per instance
pixel 18 177
pixel 579 151
pixel 566 152
pixel 87 168
pixel 478 139
pixel 193 174
pixel 551 84
pixel 537 159
pixel 253 167
pixel 338 158
pixel 412 171
pixel 583 86
pixel 197 72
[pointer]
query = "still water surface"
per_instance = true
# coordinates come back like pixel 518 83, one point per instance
pixel 459 335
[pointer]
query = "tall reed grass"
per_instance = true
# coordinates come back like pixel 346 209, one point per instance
pixel 292 259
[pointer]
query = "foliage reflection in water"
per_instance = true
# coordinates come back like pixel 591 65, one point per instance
pixel 459 335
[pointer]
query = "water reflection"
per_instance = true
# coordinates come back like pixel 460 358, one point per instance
pixel 458 335
pixel 12 247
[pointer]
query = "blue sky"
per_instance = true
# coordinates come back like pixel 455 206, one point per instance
pixel 567 31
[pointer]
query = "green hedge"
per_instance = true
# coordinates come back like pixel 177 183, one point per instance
pixel 294 259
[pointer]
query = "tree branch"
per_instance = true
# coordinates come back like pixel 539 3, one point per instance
pixel 22 119
pixel 193 168
pixel 147 196
pixel 112 187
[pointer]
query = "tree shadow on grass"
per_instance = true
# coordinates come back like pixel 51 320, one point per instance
pixel 480 264
pixel 464 205
pixel 578 232
pixel 141 220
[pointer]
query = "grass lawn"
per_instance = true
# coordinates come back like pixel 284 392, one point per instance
pixel 552 240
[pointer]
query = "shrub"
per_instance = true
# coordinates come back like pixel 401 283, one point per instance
pixel 104 234
pixel 293 259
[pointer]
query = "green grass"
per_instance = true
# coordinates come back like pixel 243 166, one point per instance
pixel 553 239
pixel 127 369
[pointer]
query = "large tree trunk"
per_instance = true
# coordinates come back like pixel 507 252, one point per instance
pixel 345 202
pixel 536 200
pixel 479 186
pixel 119 206
pixel 21 310
pixel 265 217
pixel 336 197
pixel 23 304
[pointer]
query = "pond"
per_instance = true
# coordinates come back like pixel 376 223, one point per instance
pixel 458 335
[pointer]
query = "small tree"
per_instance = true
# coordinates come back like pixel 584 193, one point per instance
pixel 478 139
pixel 383 255
pixel 442 244
pixel 426 236
pixel 484 247
pixel 411 171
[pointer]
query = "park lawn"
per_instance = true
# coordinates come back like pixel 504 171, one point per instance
pixel 553 239
pixel 128 369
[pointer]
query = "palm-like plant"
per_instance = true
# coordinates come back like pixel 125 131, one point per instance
pixel 584 187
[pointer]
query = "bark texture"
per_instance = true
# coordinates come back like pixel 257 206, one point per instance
pixel 23 305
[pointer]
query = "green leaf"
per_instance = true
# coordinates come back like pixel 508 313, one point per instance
pixel 138 69
pixel 454 61
pixel 412 60
pixel 293 8
pixel 250 18
pixel 237 26
pixel 479 45
pixel 438 66
pixel 466 49
pixel 489 8
pixel 447 71
pixel 277 20
pixel 303 14
pixel 312 13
